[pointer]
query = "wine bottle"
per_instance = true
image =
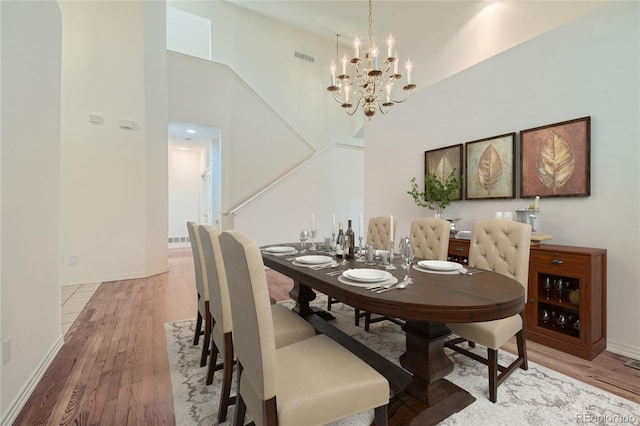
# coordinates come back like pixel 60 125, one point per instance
pixel 338 248
pixel 352 237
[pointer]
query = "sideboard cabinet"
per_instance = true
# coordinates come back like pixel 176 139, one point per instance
pixel 566 301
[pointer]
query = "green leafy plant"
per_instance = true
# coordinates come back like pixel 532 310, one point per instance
pixel 438 194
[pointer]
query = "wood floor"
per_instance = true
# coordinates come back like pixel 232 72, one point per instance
pixel 113 367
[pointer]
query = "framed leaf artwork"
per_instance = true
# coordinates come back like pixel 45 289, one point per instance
pixel 490 168
pixel 442 161
pixel 556 160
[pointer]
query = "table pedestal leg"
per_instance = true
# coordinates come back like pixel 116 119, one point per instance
pixel 429 398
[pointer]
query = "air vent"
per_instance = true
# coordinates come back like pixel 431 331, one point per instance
pixel 304 57
pixel 633 364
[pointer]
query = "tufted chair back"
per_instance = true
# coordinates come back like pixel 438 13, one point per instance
pixel 501 246
pixel 378 232
pixel 430 238
pixel 253 332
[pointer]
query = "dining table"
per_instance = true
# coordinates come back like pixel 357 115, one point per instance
pixel 421 394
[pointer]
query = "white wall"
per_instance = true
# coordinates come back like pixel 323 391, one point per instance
pixel 184 190
pixel 113 180
pixel 588 67
pixel 30 189
pixel 330 183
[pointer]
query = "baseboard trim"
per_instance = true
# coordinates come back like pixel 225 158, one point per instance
pixel 114 277
pixel 623 349
pixel 29 387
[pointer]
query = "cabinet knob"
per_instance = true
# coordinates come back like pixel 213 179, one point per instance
pixel 557 261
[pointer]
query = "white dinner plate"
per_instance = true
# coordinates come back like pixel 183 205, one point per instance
pixel 433 271
pixel 314 259
pixel 440 265
pixel 366 275
pixel 347 281
pixel 279 249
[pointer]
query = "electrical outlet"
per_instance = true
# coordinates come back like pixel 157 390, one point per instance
pixel 73 259
pixel 6 351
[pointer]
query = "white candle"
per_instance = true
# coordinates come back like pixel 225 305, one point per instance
pixel 356 47
pixel 409 67
pixel 332 69
pixel 360 234
pixel 344 64
pixel 313 221
pixel 333 223
pixel 374 52
pixel 390 46
pixel 391 229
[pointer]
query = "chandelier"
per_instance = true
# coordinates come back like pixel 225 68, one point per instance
pixel 368 85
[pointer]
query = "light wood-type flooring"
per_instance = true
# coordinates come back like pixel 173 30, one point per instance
pixel 113 367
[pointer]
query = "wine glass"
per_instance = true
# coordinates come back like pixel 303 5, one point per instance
pixel 545 316
pixel 304 236
pixel 559 289
pixel 343 240
pixel 408 253
pixel 313 232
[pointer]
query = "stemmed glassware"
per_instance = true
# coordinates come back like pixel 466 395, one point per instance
pixel 304 236
pixel 407 254
pixel 390 266
pixel 343 240
pixel 361 258
pixel 313 232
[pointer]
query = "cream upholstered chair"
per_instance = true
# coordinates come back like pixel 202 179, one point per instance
pixel 501 246
pixel 204 315
pixel 378 231
pixel 430 240
pixel 311 382
pixel 288 327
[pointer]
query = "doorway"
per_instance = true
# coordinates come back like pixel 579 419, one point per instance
pixel 194 179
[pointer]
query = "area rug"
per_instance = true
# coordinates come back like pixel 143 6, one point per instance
pixel 538 396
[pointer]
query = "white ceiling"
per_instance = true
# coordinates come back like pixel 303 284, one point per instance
pixel 197 140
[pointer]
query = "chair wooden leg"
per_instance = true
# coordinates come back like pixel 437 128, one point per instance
pixel 356 319
pixel 271 412
pixel 380 418
pixel 225 399
pixel 522 349
pixel 212 362
pixel 241 407
pixel 196 337
pixel 329 303
pixel 207 337
pixel 493 374
pixel 367 321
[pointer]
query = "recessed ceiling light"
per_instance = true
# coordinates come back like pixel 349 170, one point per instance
pixel 191 131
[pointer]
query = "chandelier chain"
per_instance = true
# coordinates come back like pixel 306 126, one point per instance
pixel 370 25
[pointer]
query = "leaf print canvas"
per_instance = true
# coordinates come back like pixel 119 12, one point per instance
pixel 442 161
pixel 556 160
pixel 490 167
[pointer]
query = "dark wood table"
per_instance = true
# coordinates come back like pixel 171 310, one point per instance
pixel 422 395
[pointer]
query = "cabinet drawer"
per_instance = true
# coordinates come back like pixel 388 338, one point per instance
pixel 560 260
pixel 458 248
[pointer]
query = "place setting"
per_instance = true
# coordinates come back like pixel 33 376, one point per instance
pixel 439 267
pixel 280 250
pixel 365 277
pixel 314 261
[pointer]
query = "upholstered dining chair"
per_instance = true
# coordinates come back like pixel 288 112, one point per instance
pixel 204 316
pixel 311 382
pixel 378 235
pixel 288 326
pixel 501 246
pixel 430 240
